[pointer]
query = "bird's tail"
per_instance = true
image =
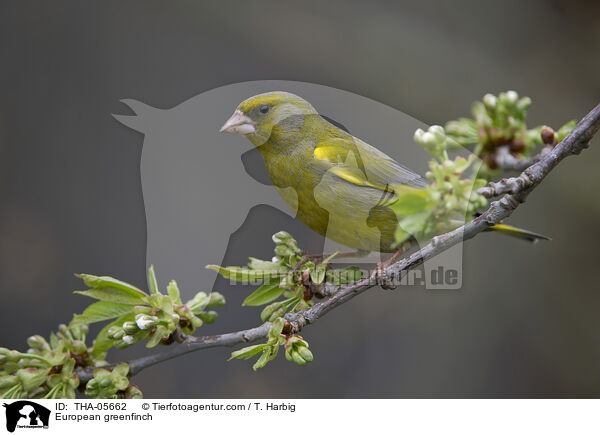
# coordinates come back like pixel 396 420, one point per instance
pixel 518 233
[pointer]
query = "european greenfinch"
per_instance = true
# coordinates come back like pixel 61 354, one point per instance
pixel 339 185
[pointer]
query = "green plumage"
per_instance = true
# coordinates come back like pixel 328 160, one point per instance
pixel 339 185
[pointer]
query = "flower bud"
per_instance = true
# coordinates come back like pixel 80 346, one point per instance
pixel 79 331
pixel 38 342
pixel 281 237
pixel 200 299
pixel 512 97
pixel 491 162
pixel 91 388
pixel 305 353
pixel 196 321
pixel 120 382
pixel 128 339
pixel 283 251
pixel 490 101
pixel 436 129
pixel 144 321
pixel 429 138
pixel 216 299
pixel 297 358
pixel 517 145
pixel 79 347
pixel 287 327
pixel 7 355
pixel 523 104
pixel 547 135
pixel 115 332
pixel 208 316
pixel 105 382
pixel 62 329
pixel 130 328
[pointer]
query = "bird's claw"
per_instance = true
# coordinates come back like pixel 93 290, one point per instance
pixel 381 278
pixel 380 275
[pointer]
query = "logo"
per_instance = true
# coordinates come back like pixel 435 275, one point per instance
pixel 26 414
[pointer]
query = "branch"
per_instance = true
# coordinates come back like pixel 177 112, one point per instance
pixel 517 189
pixel 574 143
pixel 507 162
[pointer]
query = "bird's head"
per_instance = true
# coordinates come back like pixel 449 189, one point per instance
pixel 256 116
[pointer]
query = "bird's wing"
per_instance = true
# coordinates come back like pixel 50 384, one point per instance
pixel 363 165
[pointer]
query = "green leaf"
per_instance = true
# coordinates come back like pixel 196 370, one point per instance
pixel 412 202
pixel 257 264
pixel 276 328
pixel 15 392
pixel 248 352
pixel 173 291
pixel 160 333
pixel 103 342
pixel 113 294
pixel 411 226
pixel 121 369
pixel 317 274
pixel 291 303
pixel 478 183
pixel 274 352
pixel 263 360
pixel 198 303
pixel 271 309
pixel 461 164
pixel 110 286
pixel 266 293
pixel 152 283
pixel 53 340
pixel 31 378
pixel 243 274
pixel 102 310
pixel 331 257
pixel 121 383
pixel 166 305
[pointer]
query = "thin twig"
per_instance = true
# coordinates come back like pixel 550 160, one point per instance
pixel 507 162
pixel 516 189
pixel 574 143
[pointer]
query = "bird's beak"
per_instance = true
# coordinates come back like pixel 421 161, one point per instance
pixel 238 124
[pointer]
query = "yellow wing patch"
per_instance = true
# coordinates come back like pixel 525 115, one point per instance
pixel 344 165
pixel 354 176
pixel 332 154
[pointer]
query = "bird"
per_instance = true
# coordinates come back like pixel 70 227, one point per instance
pixel 339 184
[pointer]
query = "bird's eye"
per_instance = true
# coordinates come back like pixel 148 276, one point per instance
pixel 264 108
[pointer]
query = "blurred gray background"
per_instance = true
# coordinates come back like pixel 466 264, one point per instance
pixel 525 323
